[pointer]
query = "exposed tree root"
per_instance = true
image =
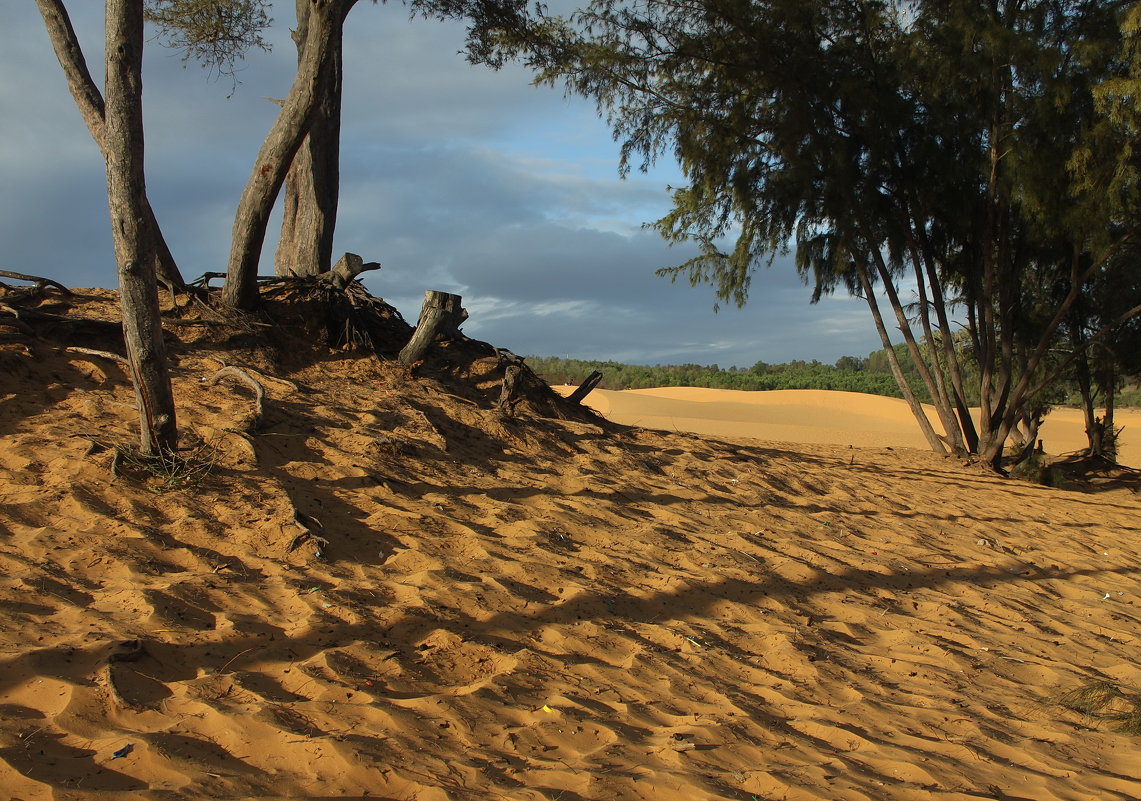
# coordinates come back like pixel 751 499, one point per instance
pixel 40 283
pixel 309 526
pixel 102 354
pixel 252 383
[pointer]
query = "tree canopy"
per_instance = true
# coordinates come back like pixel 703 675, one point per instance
pixel 977 156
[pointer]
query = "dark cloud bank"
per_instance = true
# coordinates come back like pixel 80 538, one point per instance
pixel 455 178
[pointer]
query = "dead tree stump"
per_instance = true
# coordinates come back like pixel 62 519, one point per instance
pixel 442 313
pixel 509 394
pixel 346 270
pixel 585 387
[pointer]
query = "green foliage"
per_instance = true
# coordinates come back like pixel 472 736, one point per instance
pixel 215 33
pixel 1037 470
pixel 981 151
pixel 792 375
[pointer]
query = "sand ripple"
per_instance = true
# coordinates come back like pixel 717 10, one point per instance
pixel 539 609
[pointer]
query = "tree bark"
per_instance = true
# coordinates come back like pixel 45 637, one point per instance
pixel 134 250
pixel 326 18
pixel 312 184
pixel 441 313
pixel 93 110
pixel 1109 438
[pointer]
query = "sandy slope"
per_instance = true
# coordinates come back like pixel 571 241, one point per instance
pixel 812 416
pixel 534 608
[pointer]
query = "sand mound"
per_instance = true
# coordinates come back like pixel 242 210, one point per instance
pixel 815 416
pixel 532 608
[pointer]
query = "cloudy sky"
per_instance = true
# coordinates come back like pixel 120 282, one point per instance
pixel 454 177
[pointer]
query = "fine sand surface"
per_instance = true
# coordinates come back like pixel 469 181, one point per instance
pixel 532 608
pixel 813 416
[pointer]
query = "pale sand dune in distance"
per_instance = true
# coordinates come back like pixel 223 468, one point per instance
pixel 819 417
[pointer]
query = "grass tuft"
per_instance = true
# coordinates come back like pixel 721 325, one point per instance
pixel 1104 701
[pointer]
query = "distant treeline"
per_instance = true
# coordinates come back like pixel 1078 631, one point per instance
pixel 849 374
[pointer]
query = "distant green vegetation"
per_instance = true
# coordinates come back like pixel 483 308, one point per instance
pixel 849 374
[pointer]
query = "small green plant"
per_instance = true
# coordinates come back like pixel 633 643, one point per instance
pixel 1104 700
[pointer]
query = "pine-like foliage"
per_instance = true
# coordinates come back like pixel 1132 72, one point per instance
pixel 968 164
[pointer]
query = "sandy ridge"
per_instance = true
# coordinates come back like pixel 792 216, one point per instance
pixel 536 609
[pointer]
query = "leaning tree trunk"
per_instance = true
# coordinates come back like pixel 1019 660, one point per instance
pixel 252 217
pixel 913 403
pixel 312 185
pixel 134 251
pixel 938 398
pixel 93 110
pixel 1109 439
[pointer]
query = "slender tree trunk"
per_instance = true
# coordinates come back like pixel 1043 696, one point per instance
pixel 276 155
pixel 312 185
pixel 1085 389
pixel 134 251
pixel 923 256
pixel 942 408
pixel 93 110
pixel 966 422
pixel 1109 439
pixel 905 388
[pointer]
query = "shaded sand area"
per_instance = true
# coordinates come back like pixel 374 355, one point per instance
pixel 532 608
pixel 814 416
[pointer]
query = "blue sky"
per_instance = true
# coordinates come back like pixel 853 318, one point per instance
pixel 454 177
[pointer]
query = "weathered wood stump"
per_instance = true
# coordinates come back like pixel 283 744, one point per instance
pixel 585 387
pixel 509 393
pixel 442 313
pixel 347 268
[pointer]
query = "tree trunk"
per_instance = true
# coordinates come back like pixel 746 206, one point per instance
pixel 1085 389
pixel 929 434
pixel 441 313
pixel 922 253
pixel 1109 440
pixel 276 155
pixel 509 391
pixel 938 400
pixel 313 183
pixel 585 388
pixel 134 250
pixel 347 268
pixel 93 110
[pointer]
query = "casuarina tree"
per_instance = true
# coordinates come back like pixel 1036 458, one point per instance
pixel 934 158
